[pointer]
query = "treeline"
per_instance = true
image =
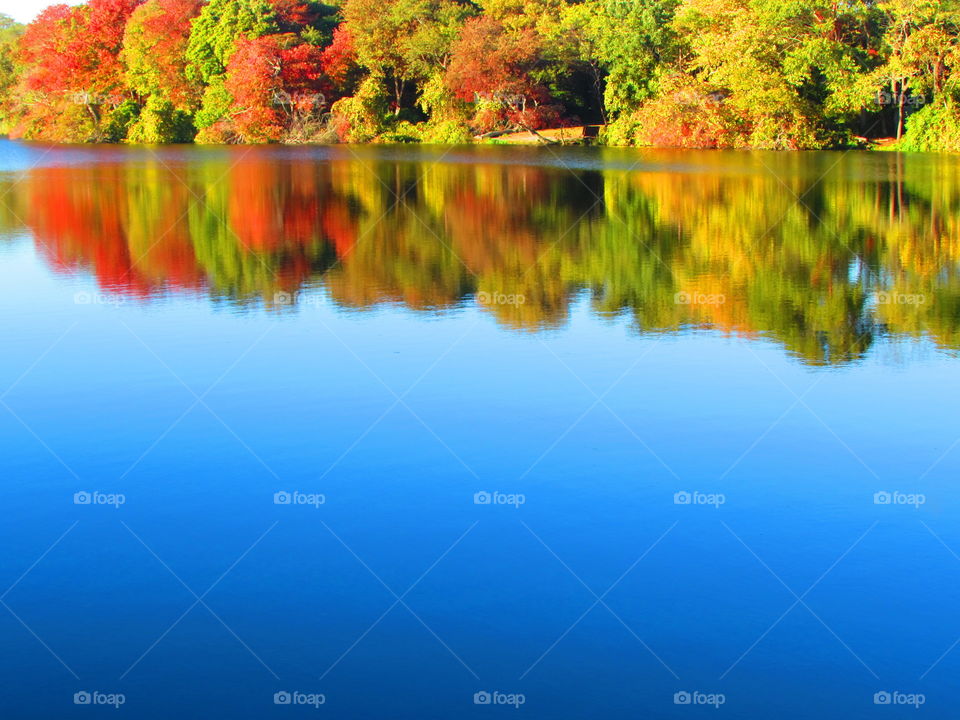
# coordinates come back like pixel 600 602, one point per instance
pixel 784 74
pixel 872 252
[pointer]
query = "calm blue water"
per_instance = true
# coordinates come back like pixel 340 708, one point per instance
pixel 399 596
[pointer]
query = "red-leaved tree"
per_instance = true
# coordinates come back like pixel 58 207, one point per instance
pixel 72 78
pixel 491 65
pixel 275 85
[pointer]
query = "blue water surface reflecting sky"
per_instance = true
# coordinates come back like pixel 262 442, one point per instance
pixel 674 511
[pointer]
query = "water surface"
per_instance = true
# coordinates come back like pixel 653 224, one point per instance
pixel 601 334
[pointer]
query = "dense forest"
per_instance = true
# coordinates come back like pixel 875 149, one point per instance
pixel 780 74
pixel 858 260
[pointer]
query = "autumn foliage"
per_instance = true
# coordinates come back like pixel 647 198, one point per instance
pixel 678 73
pixel 72 74
pixel 155 43
pixel 244 225
pixel 493 67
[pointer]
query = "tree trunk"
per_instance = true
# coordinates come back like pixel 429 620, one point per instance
pixel 95 116
pixel 598 90
pixel 397 94
pixel 900 102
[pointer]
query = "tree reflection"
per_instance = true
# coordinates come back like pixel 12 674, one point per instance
pixel 821 252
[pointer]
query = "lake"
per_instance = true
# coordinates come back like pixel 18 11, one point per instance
pixel 414 432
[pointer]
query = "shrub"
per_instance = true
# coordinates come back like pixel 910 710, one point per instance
pixel 160 122
pixel 934 127
pixel 359 118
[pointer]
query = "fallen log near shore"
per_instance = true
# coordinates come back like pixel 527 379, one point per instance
pixel 553 136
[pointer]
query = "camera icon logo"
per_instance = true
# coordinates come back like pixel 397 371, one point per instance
pixel 882 498
pixel 883 298
pixel 283 298
pixel 282 698
pixel 81 498
pixel 682 498
pixel 82 298
pixel 682 298
pixel 882 698
pixel 682 698
pixel 482 498
pixel 482 698
pixel 82 698
pixel 282 498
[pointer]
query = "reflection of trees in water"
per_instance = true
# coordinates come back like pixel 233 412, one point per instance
pixel 793 246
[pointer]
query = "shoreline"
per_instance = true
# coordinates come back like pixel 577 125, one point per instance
pixel 523 139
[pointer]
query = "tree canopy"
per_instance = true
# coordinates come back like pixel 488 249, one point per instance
pixel 775 74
